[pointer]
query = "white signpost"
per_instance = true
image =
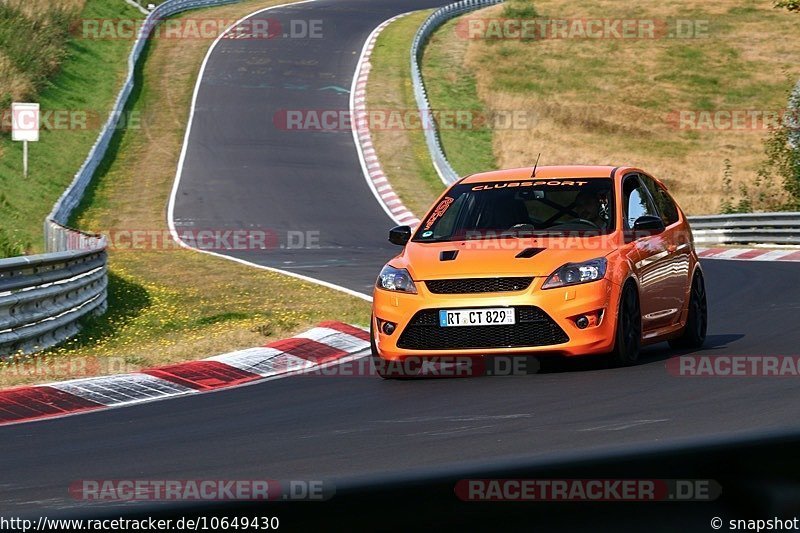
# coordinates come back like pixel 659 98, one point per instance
pixel 24 127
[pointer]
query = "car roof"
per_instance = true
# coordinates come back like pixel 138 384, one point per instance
pixel 542 172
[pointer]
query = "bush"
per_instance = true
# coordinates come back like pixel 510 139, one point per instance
pixel 776 186
pixel 782 150
pixel 791 5
pixel 519 9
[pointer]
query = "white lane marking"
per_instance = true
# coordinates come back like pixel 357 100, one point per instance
pixel 362 68
pixel 618 426
pixel 179 173
pixel 446 432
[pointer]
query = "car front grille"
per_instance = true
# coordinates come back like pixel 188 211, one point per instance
pixel 477 285
pixel 534 327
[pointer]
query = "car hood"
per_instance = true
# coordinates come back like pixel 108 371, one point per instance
pixel 498 257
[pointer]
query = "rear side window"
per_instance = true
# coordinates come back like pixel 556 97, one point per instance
pixel 664 203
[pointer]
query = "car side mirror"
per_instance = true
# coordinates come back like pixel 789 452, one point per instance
pixel 644 226
pixel 400 235
pixel 648 223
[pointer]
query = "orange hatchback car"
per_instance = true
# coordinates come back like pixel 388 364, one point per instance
pixel 563 260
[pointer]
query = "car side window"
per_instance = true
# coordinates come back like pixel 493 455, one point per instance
pixel 666 206
pixel 636 201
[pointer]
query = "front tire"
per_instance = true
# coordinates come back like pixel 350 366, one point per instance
pixel 628 341
pixel 694 333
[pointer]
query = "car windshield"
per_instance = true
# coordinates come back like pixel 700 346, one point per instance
pixel 516 208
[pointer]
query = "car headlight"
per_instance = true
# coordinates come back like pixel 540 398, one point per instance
pixel 396 279
pixel 575 273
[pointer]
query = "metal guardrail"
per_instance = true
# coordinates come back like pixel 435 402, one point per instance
pixel 42 297
pixel 446 172
pixel 747 228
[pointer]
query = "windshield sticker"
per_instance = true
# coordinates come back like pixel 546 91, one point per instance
pixel 427 233
pixel 538 183
pixel 438 212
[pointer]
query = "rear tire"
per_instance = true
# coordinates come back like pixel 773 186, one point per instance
pixel 628 338
pixel 694 333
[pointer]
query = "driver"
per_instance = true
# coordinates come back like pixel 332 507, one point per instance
pixel 589 207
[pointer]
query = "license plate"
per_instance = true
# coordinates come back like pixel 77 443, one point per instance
pixel 477 317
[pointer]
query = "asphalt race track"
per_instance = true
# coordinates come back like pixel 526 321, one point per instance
pixel 242 172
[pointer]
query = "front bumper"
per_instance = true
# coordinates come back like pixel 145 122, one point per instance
pixel 562 306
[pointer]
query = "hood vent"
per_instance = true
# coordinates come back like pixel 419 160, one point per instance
pixel 448 255
pixel 527 253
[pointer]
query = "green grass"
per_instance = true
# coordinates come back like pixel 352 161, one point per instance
pixel 452 86
pixel 27 63
pixel 519 9
pixel 403 154
pixel 609 101
pixel 88 80
pixel 174 305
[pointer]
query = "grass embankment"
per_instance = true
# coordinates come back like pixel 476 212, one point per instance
pixel 615 100
pixel 169 306
pixel 75 80
pixel 403 153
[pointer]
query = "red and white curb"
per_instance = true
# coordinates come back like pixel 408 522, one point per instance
pixel 371 166
pixel 751 254
pixel 329 343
